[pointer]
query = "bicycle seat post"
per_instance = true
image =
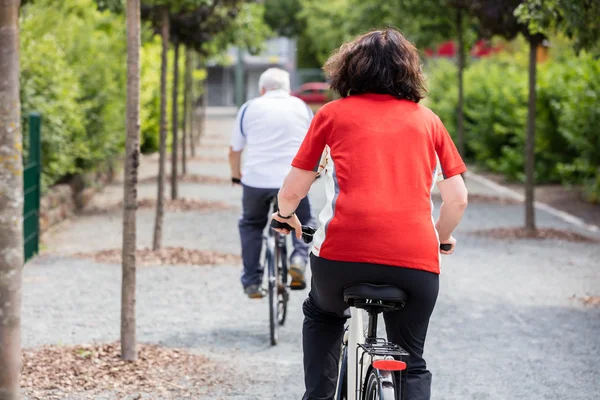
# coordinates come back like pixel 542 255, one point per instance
pixel 372 330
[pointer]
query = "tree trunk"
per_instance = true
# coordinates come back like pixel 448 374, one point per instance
pixel 11 202
pixel 186 108
pixel 175 122
pixel 202 114
pixel 184 131
pixel 192 102
pixel 163 131
pixel 460 118
pixel 132 158
pixel 530 142
pixel 204 106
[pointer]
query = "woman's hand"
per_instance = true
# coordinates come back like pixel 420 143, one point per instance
pixel 450 241
pixel 294 222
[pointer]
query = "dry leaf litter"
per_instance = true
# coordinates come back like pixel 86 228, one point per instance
pixel 592 301
pixel 193 178
pixel 210 159
pixel 166 256
pixel 485 199
pixel 540 233
pixel 52 372
pixel 184 204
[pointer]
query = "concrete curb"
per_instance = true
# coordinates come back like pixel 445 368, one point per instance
pixel 565 216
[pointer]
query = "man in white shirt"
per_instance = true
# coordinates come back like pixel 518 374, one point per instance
pixel 271 128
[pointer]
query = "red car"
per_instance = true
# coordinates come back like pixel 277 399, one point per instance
pixel 313 93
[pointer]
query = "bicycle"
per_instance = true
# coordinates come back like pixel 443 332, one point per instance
pixel 276 263
pixel 375 370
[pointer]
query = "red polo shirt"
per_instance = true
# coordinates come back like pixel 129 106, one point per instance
pixel 381 168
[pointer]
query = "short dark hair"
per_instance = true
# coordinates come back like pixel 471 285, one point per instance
pixel 381 61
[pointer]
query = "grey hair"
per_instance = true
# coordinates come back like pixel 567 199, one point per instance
pixel 273 79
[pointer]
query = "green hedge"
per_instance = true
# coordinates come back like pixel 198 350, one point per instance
pixel 496 90
pixel 150 59
pixel 73 71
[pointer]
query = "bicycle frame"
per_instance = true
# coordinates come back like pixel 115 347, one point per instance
pixel 277 271
pixel 276 241
pixel 351 352
pixel 356 336
pixel 361 352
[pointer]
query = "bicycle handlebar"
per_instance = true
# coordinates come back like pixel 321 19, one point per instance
pixel 307 231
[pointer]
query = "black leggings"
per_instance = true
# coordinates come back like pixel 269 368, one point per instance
pixel 326 312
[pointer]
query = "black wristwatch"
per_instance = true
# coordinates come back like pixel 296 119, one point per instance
pixel 288 217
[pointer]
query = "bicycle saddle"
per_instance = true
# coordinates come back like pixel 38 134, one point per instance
pixel 359 295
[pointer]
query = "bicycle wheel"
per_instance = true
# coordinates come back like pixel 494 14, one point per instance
pixel 380 386
pixel 273 296
pixel 283 294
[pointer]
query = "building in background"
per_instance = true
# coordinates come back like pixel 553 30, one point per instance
pixel 221 80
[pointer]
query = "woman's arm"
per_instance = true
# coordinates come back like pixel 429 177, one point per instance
pixel 303 173
pixel 454 202
pixel 295 187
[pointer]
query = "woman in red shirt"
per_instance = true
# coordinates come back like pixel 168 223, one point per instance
pixel 385 154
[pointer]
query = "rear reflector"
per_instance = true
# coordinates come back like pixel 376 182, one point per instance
pixel 389 365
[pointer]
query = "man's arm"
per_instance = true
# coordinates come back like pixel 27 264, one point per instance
pixel 235 163
pixel 238 141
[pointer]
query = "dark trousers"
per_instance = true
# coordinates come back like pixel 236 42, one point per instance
pixel 326 312
pixel 256 208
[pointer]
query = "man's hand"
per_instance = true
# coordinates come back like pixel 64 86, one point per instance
pixel 235 162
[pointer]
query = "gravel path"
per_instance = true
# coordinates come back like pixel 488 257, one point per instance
pixel 505 326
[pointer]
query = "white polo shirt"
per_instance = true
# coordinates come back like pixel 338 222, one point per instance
pixel 271 128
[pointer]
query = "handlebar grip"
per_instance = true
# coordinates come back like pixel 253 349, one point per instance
pixel 280 225
pixel 445 246
pixel 307 231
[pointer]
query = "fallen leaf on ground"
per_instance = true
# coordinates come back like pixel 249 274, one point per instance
pixel 193 178
pixel 593 301
pixel 52 372
pixel 178 205
pixel 211 159
pixel 214 145
pixel 540 233
pixel 197 158
pixel 484 199
pixel 166 256
pixel 184 204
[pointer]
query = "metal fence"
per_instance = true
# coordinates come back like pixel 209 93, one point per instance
pixel 31 188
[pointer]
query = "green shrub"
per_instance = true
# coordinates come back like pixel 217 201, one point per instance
pixel 150 94
pixel 442 93
pixel 510 114
pixel 73 71
pixel 495 112
pixel 579 123
pixel 495 107
pixel 50 85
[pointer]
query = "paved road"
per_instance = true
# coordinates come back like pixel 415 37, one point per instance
pixel 504 327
